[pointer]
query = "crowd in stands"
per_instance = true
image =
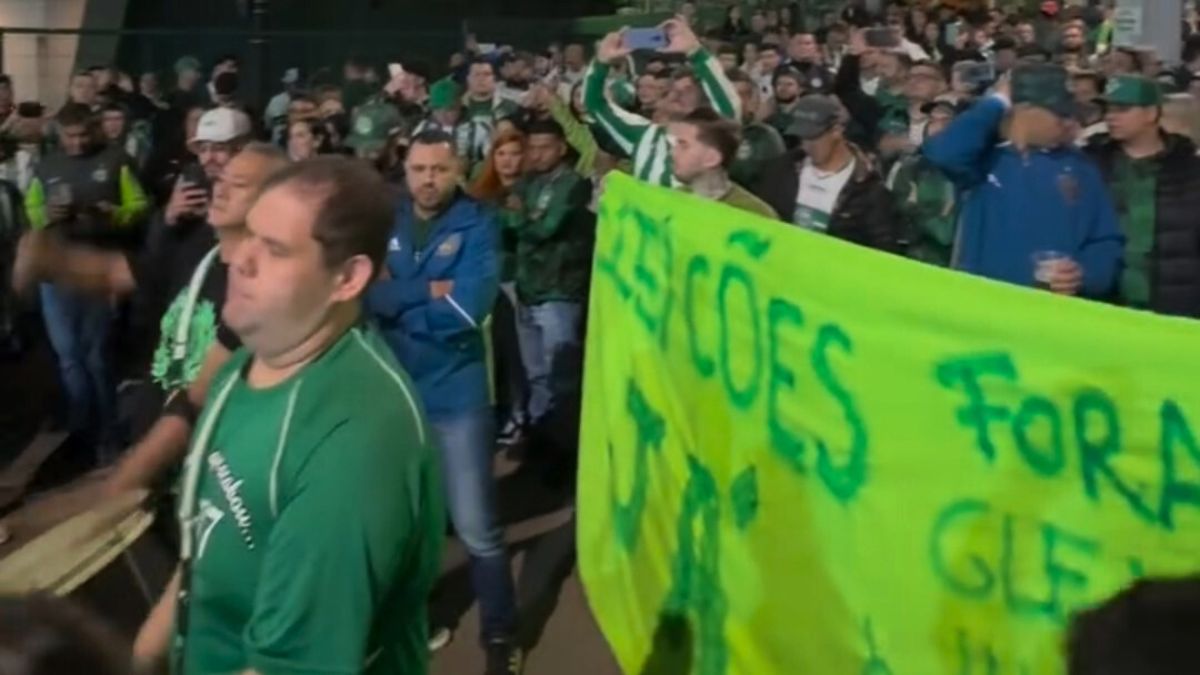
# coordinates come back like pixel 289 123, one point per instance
pixel 922 132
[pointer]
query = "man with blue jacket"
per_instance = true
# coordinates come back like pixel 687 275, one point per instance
pixel 439 284
pixel 1031 195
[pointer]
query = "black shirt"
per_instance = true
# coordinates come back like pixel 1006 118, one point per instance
pixel 163 271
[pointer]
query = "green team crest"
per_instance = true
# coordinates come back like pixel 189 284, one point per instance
pixel 169 371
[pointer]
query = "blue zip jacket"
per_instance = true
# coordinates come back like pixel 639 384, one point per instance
pixel 440 341
pixel 1015 206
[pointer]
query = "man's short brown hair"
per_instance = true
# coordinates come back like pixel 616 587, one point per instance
pixel 353 206
pixel 716 132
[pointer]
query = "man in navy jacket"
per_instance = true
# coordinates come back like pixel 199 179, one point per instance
pixel 1031 195
pixel 440 283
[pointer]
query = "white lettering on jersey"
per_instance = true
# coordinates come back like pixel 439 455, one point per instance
pixel 231 487
pixel 206 520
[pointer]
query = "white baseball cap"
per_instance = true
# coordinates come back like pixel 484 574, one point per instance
pixel 221 125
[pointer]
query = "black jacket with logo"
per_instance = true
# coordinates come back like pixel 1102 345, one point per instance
pixel 863 213
pixel 82 183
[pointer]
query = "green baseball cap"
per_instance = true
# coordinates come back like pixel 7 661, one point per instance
pixel 186 63
pixel 1133 91
pixel 372 124
pixel 444 94
pixel 1043 85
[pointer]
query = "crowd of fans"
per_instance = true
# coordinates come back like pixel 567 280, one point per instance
pixel 924 133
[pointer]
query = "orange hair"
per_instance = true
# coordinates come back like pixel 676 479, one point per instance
pixel 487 187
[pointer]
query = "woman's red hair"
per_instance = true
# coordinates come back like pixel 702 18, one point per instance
pixel 487 187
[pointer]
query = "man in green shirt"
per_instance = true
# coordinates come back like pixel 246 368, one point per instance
pixel 760 141
pixel 705 147
pixel 1154 177
pixel 311 510
pixel 483 108
pixel 555 234
pixel 926 199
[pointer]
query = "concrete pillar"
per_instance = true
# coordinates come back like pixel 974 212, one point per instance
pixel 1150 24
pixel 40 65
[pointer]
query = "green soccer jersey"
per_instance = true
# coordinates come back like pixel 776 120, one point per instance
pixel 313 516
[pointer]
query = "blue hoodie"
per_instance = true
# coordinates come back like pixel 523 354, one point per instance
pixel 440 341
pixel 1015 206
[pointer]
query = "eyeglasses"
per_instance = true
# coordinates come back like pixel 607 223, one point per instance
pixel 211 147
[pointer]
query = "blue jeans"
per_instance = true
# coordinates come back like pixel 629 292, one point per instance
pixel 466 441
pixel 79 328
pixel 551 351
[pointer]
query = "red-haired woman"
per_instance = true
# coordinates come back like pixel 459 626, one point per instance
pixel 500 172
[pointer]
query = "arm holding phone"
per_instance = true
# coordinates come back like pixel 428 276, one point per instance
pixel 190 197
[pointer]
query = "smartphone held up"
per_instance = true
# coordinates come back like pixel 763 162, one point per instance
pixel 640 39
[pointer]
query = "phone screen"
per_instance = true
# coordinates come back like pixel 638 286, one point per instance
pixel 980 74
pixel 645 38
pixel 194 174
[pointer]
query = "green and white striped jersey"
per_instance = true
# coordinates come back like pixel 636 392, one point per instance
pixel 646 142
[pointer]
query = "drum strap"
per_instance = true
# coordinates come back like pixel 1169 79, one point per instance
pixel 187 514
pixel 193 471
pixel 179 341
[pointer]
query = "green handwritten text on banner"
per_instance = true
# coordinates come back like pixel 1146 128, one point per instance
pixel 801 456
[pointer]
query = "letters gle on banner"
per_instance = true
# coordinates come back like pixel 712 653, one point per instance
pixel 802 456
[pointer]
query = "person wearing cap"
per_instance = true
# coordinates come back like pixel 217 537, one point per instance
pixel 275 114
pixel 372 126
pixel 277 107
pixel 220 133
pixel 1073 232
pixel 1154 177
pixel 187 91
pixel 86 193
pixel 644 140
pixel 705 149
pixel 445 113
pixel 926 199
pixel 827 184
pixel 759 141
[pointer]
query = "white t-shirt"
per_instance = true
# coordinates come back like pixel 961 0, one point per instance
pixel 818 195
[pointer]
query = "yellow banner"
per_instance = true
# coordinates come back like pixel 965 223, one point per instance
pixel 801 456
